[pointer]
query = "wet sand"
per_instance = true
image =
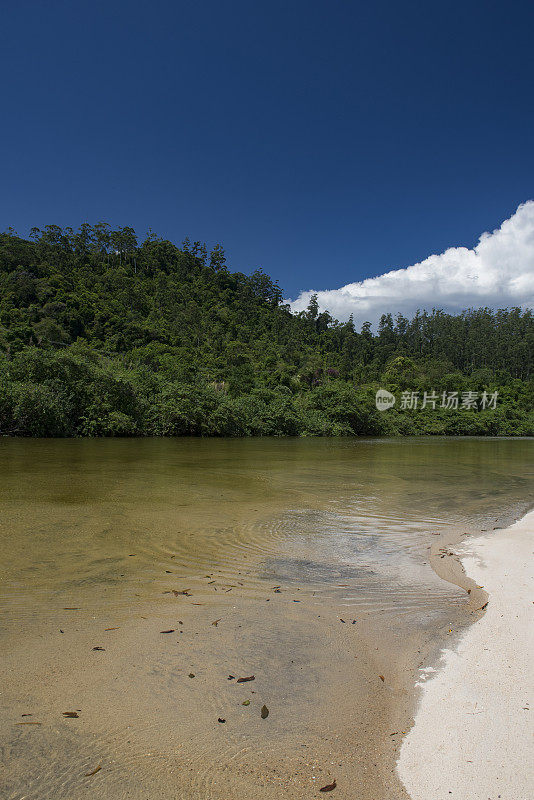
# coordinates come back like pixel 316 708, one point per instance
pixel 473 729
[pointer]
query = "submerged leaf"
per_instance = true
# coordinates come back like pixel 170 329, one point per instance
pixel 264 712
pixel 99 648
pixel 329 786
pixel 245 703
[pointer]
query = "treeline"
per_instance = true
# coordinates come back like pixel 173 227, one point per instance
pixel 101 335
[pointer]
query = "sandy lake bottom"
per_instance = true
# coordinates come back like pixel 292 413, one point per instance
pixel 142 578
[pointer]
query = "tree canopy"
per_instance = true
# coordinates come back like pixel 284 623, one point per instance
pixel 101 335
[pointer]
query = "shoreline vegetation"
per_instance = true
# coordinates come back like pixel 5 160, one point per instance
pixel 472 727
pixel 101 335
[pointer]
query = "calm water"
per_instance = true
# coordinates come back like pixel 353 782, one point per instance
pixel 95 535
pixel 84 523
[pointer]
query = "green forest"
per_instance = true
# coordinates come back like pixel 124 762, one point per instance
pixel 103 335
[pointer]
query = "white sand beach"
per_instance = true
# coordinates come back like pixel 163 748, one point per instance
pixel 473 732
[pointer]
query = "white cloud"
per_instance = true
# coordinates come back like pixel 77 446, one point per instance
pixel 498 272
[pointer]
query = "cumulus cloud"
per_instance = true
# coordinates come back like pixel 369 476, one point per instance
pixel 498 272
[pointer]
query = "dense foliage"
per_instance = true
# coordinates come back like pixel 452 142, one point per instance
pixel 102 336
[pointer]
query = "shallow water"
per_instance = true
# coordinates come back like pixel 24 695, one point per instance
pixel 96 534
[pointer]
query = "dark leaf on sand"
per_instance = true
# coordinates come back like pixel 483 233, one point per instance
pixel 171 630
pixel 382 678
pixel 187 592
pixel 191 674
pixel 329 786
pixel 71 714
pixel 245 703
pixel 245 680
pixel 220 719
pixel 264 712
pixel 97 769
pixel 216 622
pixel 99 648
pixel 231 677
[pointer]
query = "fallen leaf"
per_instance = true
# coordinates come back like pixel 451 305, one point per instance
pixel 171 630
pixel 245 680
pixel 187 592
pixel 111 629
pixel 221 720
pixel 245 703
pixel 329 786
pixel 89 774
pixel 382 678
pixel 231 677
pixel 216 621
pixel 264 712
pixel 191 674
pixel 28 723
pixel 99 648
pixel 71 714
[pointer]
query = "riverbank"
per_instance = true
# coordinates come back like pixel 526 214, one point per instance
pixel 139 575
pixel 473 729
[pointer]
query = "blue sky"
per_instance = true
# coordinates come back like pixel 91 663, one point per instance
pixel 327 142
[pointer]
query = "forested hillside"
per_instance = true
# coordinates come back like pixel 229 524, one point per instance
pixel 103 336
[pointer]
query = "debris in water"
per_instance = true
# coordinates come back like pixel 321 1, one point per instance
pixel 96 769
pixel 191 674
pixel 111 629
pixel 382 678
pixel 71 714
pixel 187 592
pixel 245 680
pixel 329 786
pixel 99 648
pixel 216 621
pixel 264 712
pixel 220 719
pixel 171 630
pixel 245 703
